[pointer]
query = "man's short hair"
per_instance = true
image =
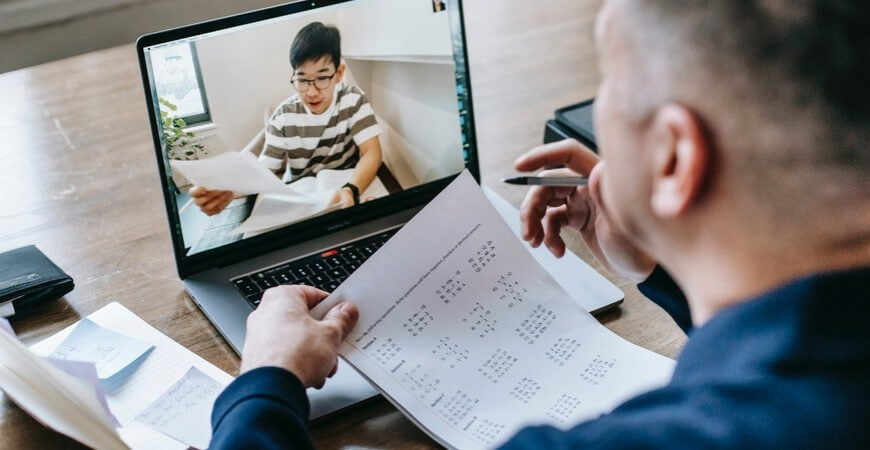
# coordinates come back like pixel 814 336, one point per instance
pixel 315 41
pixel 789 73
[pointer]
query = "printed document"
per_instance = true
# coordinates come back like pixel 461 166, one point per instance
pixel 472 339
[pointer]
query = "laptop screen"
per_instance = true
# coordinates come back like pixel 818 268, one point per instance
pixel 269 123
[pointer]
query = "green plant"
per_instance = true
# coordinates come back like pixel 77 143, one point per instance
pixel 180 143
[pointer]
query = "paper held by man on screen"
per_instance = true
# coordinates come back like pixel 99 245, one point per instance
pixel 277 210
pixel 240 173
pixel 471 338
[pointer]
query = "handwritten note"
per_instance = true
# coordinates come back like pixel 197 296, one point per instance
pixel 113 354
pixel 184 411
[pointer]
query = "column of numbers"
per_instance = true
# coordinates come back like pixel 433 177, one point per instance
pixel 457 407
pixel 420 382
pixel 449 352
pixel 480 320
pixel 482 256
pixel 562 350
pixel 418 321
pixel 508 290
pixel 386 351
pixel 487 431
pixel 563 408
pixel 597 369
pixel 497 365
pixel 450 288
pixel 533 326
pixel 525 389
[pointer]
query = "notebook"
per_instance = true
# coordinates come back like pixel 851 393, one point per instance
pixel 166 365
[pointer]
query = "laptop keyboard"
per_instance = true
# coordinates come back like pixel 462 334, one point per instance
pixel 324 271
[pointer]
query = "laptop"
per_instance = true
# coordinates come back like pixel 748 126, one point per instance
pixel 404 86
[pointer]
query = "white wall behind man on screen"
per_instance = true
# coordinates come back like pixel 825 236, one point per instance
pixel 248 71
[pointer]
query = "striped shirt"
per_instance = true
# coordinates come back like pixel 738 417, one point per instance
pixel 301 143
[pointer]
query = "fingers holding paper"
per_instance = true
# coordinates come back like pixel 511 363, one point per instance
pixel 211 202
pixel 282 333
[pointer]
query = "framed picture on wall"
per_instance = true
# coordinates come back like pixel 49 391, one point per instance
pixel 439 5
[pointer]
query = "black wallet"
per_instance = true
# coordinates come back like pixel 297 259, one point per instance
pixel 28 279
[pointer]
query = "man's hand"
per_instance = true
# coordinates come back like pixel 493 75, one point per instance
pixel 546 210
pixel 343 197
pixel 282 333
pixel 211 202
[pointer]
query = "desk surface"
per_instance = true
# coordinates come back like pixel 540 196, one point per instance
pixel 79 180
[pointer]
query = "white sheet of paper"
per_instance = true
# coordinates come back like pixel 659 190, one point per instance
pixel 274 210
pixel 472 339
pixel 63 395
pixel 113 354
pixel 7 309
pixel 231 171
pixel 179 411
pixel 167 363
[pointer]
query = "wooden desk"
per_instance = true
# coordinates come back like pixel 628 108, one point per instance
pixel 78 178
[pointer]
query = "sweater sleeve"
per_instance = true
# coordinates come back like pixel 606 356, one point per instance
pixel 266 408
pixel 663 291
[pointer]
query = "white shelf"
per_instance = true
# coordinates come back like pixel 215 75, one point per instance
pixel 418 59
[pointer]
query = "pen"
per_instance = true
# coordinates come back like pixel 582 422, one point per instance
pixel 548 181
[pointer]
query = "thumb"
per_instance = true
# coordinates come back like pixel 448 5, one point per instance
pixel 343 317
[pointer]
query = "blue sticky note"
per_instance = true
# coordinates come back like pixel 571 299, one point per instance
pixel 113 354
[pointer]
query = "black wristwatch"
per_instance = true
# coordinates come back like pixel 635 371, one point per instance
pixel 354 191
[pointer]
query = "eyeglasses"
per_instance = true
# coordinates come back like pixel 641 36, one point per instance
pixel 319 83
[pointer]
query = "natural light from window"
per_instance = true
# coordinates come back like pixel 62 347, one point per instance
pixel 176 80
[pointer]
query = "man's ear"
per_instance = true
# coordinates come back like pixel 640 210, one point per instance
pixel 681 161
pixel 339 73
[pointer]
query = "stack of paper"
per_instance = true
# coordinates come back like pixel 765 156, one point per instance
pixel 139 388
pixel 63 395
pixel 275 210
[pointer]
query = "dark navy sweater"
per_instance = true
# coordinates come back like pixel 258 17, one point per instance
pixel 788 369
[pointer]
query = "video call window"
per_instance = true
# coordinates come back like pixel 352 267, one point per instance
pixel 362 94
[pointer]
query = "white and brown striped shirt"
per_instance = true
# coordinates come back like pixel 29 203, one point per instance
pixel 301 143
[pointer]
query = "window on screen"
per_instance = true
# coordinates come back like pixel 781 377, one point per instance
pixel 178 81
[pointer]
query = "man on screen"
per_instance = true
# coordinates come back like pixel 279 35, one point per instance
pixel 326 124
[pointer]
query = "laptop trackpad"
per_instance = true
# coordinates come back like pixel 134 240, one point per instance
pixel 345 388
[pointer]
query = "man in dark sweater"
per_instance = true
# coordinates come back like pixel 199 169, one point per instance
pixel 734 136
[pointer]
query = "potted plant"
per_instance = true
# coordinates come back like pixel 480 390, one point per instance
pixel 180 144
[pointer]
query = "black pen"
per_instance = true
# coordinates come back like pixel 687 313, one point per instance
pixel 547 181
